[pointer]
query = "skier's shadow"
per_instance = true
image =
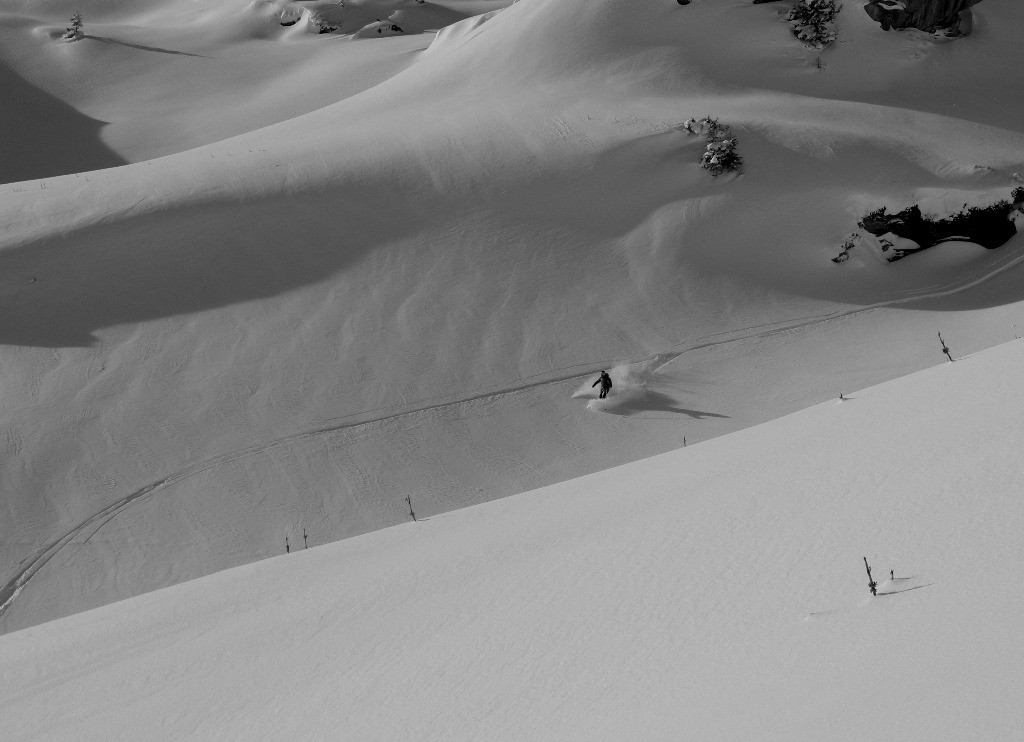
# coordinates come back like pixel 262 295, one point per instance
pixel 903 590
pixel 654 402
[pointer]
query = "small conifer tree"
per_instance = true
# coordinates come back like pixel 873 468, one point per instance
pixel 76 30
pixel 720 154
pixel 814 21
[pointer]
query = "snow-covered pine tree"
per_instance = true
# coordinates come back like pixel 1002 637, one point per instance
pixel 720 155
pixel 813 21
pixel 76 30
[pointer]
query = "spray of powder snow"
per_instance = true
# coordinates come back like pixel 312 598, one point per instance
pixel 629 394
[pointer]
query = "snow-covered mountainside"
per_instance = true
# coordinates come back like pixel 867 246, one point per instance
pixel 715 592
pixel 329 272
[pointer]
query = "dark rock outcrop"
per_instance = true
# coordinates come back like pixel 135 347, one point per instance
pixel 951 17
pixel 990 227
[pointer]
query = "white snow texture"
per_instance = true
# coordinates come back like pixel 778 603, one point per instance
pixel 260 283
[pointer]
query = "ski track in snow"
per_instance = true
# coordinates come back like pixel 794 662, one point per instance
pixel 32 564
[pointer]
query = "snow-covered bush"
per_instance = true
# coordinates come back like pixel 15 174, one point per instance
pixel 814 21
pixel 848 244
pixel 1017 195
pixel 76 30
pixel 707 127
pixel 720 155
pixel 381 28
pixel 321 24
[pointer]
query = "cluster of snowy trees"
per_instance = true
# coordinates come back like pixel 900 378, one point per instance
pixel 720 155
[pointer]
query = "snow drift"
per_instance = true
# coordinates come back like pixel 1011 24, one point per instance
pixel 716 592
pixel 305 319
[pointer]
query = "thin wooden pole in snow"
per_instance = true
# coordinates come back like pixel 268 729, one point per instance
pixel 944 348
pixel 287 548
pixel 872 585
pixel 305 545
pixel 408 499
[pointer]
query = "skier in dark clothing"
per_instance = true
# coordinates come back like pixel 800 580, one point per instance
pixel 606 384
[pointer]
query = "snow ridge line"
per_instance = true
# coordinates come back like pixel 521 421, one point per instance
pixel 42 556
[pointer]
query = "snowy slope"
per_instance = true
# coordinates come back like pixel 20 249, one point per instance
pixel 715 592
pixel 161 77
pixel 400 292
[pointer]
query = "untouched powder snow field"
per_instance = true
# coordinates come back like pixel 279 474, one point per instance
pixel 257 281
pixel 715 592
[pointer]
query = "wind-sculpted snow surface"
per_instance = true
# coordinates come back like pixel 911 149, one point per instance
pixel 163 77
pixel 716 592
pixel 414 229
pixel 458 33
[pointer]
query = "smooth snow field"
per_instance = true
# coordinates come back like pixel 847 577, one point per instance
pixel 263 288
pixel 716 592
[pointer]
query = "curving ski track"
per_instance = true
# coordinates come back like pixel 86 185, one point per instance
pixel 31 565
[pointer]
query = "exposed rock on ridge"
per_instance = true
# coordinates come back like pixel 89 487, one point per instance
pixel 949 17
